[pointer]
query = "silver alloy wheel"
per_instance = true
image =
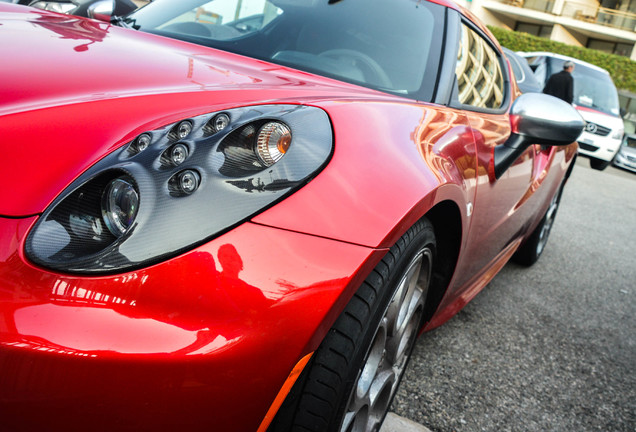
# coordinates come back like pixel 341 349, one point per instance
pixel 391 347
pixel 550 216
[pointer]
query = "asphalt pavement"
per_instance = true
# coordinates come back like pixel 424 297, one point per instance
pixel 546 348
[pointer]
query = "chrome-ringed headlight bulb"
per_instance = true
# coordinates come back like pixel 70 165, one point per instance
pixel 220 122
pixel 183 129
pixel 184 183
pixel 140 144
pixel 175 155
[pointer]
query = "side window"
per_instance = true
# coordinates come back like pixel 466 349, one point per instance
pixel 479 77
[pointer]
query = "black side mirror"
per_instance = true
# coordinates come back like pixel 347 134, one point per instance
pixel 537 118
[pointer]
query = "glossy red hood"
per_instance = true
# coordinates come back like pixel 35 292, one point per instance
pixel 74 89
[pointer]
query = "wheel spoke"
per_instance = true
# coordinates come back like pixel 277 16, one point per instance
pixel 372 363
pixel 403 333
pixel 407 287
pixel 356 421
pixel 380 398
pixel 400 347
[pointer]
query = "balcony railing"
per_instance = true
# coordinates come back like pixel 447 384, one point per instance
pixel 539 5
pixel 614 18
pixel 581 11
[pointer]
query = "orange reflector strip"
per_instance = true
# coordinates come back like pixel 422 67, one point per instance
pixel 284 391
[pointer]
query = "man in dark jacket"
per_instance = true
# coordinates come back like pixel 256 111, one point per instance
pixel 561 84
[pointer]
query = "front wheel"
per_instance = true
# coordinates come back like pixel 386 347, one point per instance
pixel 354 374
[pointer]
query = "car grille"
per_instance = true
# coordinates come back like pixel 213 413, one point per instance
pixel 587 147
pixel 631 158
pixel 597 129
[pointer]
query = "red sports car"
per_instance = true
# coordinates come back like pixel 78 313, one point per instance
pixel 237 216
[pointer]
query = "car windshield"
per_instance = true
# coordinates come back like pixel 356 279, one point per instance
pixel 389 46
pixel 630 142
pixel 592 88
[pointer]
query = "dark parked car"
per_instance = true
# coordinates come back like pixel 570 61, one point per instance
pixel 237 216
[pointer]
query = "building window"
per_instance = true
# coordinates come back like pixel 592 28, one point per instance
pixel 544 31
pixel 617 48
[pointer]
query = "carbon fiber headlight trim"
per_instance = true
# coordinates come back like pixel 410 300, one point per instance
pixel 216 183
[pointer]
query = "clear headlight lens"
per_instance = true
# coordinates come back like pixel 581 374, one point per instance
pixel 618 134
pixel 119 205
pixel 175 187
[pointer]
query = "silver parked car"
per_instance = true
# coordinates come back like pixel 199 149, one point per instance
pixel 626 156
pixel 523 74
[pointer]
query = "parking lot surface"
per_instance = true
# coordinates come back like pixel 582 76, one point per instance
pixel 546 348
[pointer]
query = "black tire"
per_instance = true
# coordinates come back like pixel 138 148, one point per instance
pixel 599 164
pixel 352 377
pixel 533 247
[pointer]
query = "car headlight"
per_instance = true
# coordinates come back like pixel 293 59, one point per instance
pixel 55 6
pixel 176 187
pixel 618 134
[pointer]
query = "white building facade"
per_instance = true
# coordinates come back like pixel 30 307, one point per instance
pixel 608 26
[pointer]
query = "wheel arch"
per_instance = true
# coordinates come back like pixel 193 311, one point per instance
pixel 446 220
pixel 447 225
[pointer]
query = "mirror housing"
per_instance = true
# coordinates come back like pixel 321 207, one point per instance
pixel 537 118
pixel 101 10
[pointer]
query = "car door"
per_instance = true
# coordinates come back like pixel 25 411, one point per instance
pixel 498 216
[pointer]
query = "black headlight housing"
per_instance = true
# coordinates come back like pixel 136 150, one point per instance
pixel 178 186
